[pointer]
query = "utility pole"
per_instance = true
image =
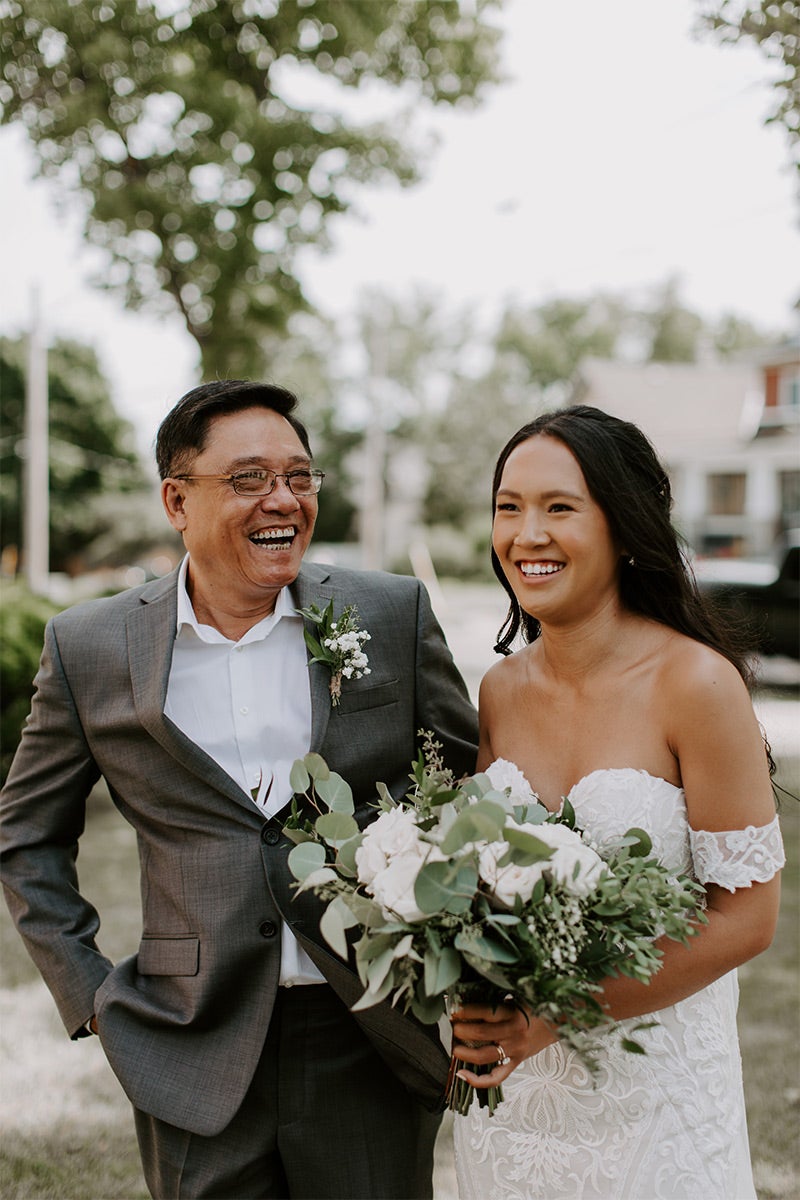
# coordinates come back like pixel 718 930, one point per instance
pixel 36 531
pixel 372 498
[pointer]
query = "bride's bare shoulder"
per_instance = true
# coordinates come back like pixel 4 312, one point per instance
pixel 508 672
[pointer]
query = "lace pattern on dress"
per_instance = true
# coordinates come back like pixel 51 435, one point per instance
pixel 738 857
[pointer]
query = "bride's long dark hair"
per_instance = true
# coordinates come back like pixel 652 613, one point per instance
pixel 626 478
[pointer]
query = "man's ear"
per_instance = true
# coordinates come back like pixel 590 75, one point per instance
pixel 172 497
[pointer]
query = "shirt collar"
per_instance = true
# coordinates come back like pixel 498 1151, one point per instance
pixel 187 621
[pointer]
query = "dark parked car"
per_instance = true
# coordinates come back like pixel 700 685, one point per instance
pixel 765 595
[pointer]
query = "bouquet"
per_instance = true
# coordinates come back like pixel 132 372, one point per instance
pixel 473 890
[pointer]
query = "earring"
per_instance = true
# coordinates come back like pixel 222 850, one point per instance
pixel 631 561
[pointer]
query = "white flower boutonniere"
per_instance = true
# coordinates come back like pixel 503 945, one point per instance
pixel 338 644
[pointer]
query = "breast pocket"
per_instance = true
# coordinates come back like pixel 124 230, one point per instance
pixel 360 699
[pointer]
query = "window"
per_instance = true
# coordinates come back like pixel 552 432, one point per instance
pixel 726 494
pixel 789 483
pixel 789 390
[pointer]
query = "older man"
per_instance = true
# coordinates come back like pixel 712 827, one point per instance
pixel 230 1029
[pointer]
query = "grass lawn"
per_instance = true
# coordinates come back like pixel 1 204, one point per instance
pixel 67 1131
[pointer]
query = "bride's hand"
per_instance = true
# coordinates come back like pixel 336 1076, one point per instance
pixel 504 1032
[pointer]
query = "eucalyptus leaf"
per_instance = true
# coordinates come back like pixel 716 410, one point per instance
pixel 428 1010
pixel 316 766
pixel 336 792
pixel 305 858
pixel 336 827
pixel 484 947
pixel 299 779
pixel 441 888
pixel 385 795
pixel 346 853
pixel 298 835
pixel 527 848
pixel 642 846
pixel 372 996
pixel 379 968
pixel 482 821
pixel 530 814
pixel 442 970
pixel 316 878
pixel 334 923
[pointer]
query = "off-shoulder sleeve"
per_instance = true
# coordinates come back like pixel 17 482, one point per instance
pixel 738 858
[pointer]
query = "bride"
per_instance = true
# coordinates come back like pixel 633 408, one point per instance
pixel 627 699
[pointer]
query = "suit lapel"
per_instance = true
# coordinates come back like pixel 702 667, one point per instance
pixel 313 586
pixel 151 634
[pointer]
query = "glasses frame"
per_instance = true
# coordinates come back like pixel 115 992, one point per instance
pixel 316 475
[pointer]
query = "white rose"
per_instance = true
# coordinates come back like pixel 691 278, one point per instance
pixel 570 850
pixel 589 865
pixel 394 887
pixel 510 881
pixel 394 832
pixel 506 775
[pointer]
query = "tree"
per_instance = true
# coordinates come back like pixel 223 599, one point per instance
pixel 306 360
pixel 774 25
pixel 202 172
pixel 92 455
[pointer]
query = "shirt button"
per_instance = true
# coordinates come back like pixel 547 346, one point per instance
pixel 268 929
pixel 244 710
pixel 270 836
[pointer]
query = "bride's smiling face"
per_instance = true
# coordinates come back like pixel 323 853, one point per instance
pixel 551 536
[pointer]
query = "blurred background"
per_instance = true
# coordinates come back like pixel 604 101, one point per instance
pixel 432 219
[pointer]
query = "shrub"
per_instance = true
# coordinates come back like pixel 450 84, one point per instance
pixel 22 620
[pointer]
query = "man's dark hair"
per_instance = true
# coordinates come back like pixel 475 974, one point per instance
pixel 626 478
pixel 182 433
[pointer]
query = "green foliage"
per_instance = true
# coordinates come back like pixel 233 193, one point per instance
pixel 23 617
pixel 774 26
pixel 202 173
pixel 92 453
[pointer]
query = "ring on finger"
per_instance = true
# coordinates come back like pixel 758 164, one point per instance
pixel 504 1059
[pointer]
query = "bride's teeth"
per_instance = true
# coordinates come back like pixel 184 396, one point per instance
pixel 540 568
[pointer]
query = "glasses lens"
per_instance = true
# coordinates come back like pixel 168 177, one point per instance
pixel 261 483
pixel 253 483
pixel 304 483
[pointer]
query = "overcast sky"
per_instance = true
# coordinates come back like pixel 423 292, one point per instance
pixel 621 152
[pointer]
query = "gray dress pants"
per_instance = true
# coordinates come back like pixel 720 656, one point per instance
pixel 324 1119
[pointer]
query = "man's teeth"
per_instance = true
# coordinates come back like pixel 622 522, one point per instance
pixel 273 535
pixel 540 568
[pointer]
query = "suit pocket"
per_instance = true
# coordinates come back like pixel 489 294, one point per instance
pixel 357 699
pixel 168 956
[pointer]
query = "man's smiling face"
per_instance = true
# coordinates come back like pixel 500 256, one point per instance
pixel 242 549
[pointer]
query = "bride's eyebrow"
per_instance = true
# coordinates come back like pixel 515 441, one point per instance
pixel 555 494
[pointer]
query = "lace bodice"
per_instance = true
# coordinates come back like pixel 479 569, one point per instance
pixel 609 801
pixel 666 1125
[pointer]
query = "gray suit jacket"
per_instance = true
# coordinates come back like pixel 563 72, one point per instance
pixel 183 1021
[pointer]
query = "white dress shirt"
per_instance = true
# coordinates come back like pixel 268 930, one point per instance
pixel 248 705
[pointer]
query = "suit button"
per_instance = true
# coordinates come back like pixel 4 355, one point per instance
pixel 268 929
pixel 270 836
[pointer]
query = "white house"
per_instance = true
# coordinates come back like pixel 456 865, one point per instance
pixel 728 433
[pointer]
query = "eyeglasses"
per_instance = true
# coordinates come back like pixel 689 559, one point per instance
pixel 262 483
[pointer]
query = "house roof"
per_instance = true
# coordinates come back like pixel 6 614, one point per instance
pixel 677 404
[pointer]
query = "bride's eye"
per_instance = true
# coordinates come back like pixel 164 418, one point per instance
pixel 560 508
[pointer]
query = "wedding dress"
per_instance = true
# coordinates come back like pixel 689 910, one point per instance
pixel 661 1126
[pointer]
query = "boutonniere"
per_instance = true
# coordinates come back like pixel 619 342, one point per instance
pixel 338 644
